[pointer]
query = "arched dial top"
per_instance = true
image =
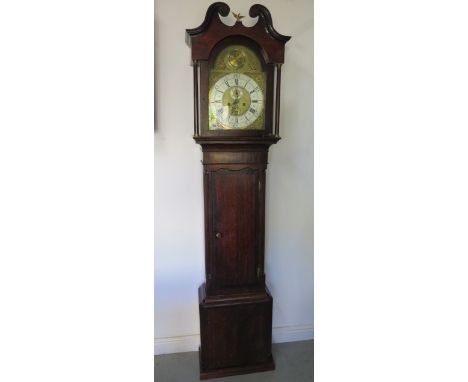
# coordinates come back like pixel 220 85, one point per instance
pixel 237 88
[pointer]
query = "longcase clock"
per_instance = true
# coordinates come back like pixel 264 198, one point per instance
pixel 237 77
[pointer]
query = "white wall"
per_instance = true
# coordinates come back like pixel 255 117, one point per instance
pixel 179 246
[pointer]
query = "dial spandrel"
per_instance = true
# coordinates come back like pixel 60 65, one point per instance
pixel 237 91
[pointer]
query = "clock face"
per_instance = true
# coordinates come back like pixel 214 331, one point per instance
pixel 236 100
pixel 237 85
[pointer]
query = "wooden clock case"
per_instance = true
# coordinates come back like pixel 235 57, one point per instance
pixel 234 302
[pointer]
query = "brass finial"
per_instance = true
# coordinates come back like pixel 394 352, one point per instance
pixel 238 16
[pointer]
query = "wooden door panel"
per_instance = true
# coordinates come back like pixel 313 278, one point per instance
pixel 235 222
pixel 235 335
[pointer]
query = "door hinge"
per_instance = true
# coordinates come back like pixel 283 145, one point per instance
pixel 259 186
pixel 258 272
pixel 209 276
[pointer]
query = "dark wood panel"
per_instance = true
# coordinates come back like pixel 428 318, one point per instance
pixel 234 157
pixel 225 185
pixel 235 221
pixel 235 335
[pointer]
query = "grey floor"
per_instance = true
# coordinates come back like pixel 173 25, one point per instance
pixel 294 363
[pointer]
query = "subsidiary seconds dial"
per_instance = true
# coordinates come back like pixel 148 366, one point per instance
pixel 236 101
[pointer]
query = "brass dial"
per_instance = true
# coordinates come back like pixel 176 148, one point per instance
pixel 237 90
pixel 236 58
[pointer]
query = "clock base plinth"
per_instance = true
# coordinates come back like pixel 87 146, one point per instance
pixel 236 370
pixel 235 334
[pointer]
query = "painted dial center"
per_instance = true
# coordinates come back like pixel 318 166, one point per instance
pixel 237 101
